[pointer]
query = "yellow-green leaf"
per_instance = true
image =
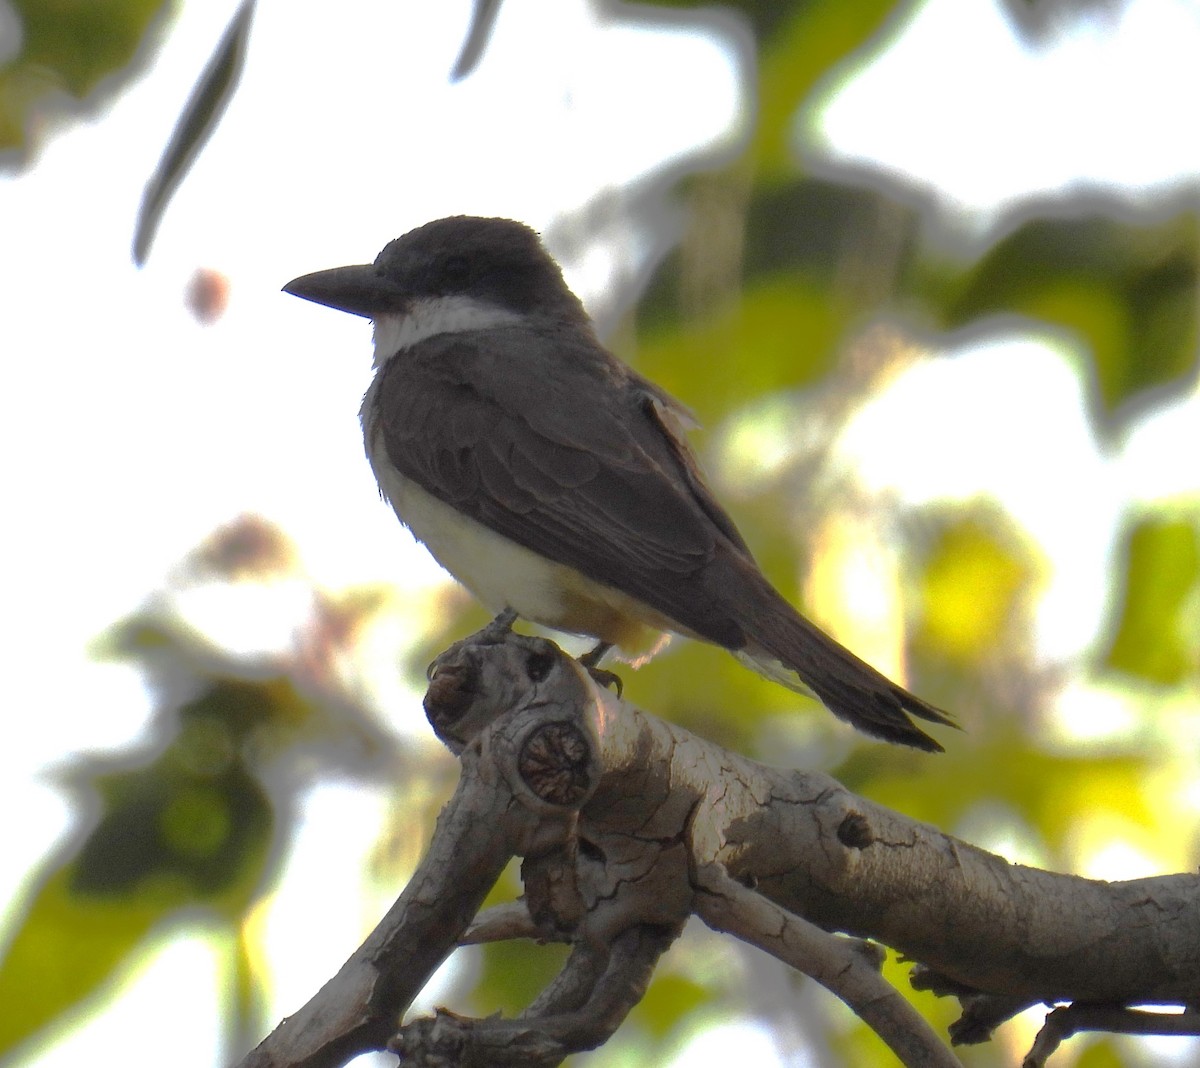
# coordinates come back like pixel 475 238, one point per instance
pixel 1158 638
pixel 969 592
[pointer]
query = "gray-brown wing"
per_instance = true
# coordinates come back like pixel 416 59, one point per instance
pixel 553 446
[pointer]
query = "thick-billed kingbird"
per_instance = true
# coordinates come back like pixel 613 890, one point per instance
pixel 553 480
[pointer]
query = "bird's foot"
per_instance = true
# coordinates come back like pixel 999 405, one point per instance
pixel 591 660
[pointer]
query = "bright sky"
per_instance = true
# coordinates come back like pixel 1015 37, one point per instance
pixel 136 431
pixel 966 110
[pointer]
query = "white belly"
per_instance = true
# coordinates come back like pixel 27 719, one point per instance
pixel 499 572
pixel 503 574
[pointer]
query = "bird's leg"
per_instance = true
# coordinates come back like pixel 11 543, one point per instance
pixel 500 627
pixel 591 660
pixel 592 657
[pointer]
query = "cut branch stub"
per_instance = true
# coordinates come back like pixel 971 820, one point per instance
pixel 557 762
pixel 488 701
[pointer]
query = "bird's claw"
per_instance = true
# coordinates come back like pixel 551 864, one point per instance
pixel 604 677
pixel 591 660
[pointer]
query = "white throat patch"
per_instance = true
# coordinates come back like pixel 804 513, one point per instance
pixel 435 315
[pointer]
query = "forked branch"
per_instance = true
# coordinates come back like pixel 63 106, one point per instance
pixel 629 825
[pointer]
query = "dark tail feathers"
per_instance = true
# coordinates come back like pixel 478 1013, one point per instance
pixel 787 648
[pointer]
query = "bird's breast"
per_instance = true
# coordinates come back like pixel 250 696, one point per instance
pixel 503 574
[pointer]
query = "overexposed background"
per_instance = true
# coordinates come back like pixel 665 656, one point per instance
pixel 132 430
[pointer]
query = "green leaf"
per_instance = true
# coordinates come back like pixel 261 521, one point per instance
pixel 67 946
pixel 191 826
pixel 780 333
pixel 514 973
pixel 1158 635
pixel 69 46
pixel 970 590
pixel 1127 290
pixel 1102 1052
pixel 669 1001
pixel 799 53
pixel 997 762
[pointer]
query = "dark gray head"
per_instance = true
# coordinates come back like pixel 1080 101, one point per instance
pixel 495 262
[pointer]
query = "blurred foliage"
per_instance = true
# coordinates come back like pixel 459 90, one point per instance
pixel 513 974
pixel 192 822
pixel 217 84
pixel 68 47
pixel 1055 793
pixel 668 1004
pixel 78 48
pixel 1101 1055
pixel 483 21
pixel 969 594
pixel 188 826
pixel 1158 638
pixel 1127 289
pixel 769 293
pixel 794 327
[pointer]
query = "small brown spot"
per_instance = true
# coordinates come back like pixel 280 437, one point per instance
pixel 207 295
pixel 248 547
pixel 855 831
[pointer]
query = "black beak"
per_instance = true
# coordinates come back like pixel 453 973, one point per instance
pixel 359 290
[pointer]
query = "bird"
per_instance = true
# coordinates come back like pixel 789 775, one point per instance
pixel 554 481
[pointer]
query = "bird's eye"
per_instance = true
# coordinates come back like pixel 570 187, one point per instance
pixel 456 270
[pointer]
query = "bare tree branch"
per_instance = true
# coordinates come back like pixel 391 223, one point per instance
pixel 847 967
pixel 1069 1020
pixel 628 825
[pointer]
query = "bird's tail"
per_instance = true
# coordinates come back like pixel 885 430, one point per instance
pixel 788 649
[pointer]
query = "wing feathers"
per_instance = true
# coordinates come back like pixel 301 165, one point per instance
pixel 548 441
pixel 557 468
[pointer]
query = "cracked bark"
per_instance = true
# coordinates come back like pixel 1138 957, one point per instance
pixel 628 825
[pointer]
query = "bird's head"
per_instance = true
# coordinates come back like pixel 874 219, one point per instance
pixel 494 265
